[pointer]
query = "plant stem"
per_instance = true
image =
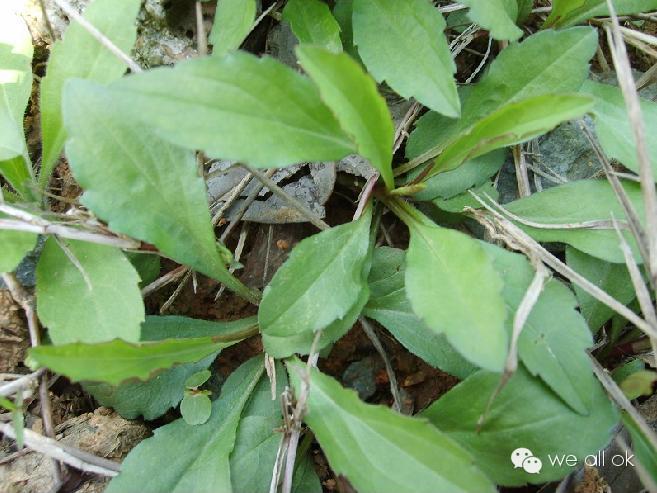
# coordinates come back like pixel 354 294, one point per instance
pixel 405 211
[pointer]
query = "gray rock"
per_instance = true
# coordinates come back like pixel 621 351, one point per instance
pixel 361 376
pixel 311 184
pixel 166 33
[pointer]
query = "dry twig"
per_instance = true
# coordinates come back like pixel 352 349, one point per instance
pixel 631 96
pixel 376 342
pixel 520 318
pixel 71 456
pixel 517 239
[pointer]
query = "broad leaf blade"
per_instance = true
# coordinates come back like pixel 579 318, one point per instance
pixel 202 464
pixel 612 125
pixel 512 124
pixel 554 351
pixel 143 187
pixel 233 21
pixel 471 174
pixel 524 414
pixel 15 245
pixel 498 16
pixel 389 306
pixel 96 301
pixel 596 201
pixel 568 12
pixel 79 55
pixel 117 361
pixel 454 288
pixel 15 90
pixel 330 265
pixel 150 398
pixel 552 62
pixel 353 97
pixel 403 44
pixel 642 446
pixel 343 13
pixel 195 408
pixel 252 460
pixel 157 395
pixel 612 278
pixel 312 23
pixel 380 451
pixel 460 203
pixel 243 108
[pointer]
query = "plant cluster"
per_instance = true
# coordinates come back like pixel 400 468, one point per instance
pixel 482 304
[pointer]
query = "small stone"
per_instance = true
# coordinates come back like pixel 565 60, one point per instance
pixel 361 376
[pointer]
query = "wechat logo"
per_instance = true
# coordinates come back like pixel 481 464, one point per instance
pixel 524 458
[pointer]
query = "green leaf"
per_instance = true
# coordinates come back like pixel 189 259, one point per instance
pixel 353 97
pixel 524 9
pixel 175 327
pixel 15 245
pixel 612 278
pixel 95 301
pixel 596 201
pixel 7 404
pixel 568 12
pixel 233 21
pixel 312 23
pixel 343 13
pixel 17 172
pixel 638 384
pixel 554 351
pixel 454 288
pixel 151 398
pixel 557 351
pixel 252 460
pixel 116 361
pixel 458 203
pixel 379 450
pixel 497 16
pixel 180 458
pixel 471 174
pixel 143 187
pixel 147 266
pixel 79 55
pixel 15 90
pixel 641 446
pixel 623 371
pixel 157 395
pixel 525 414
pixel 403 44
pixel 197 379
pixel 612 125
pixel 512 124
pixel 305 478
pixel 253 110
pixel 331 265
pixel 552 62
pixel 196 408
pixel 389 306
